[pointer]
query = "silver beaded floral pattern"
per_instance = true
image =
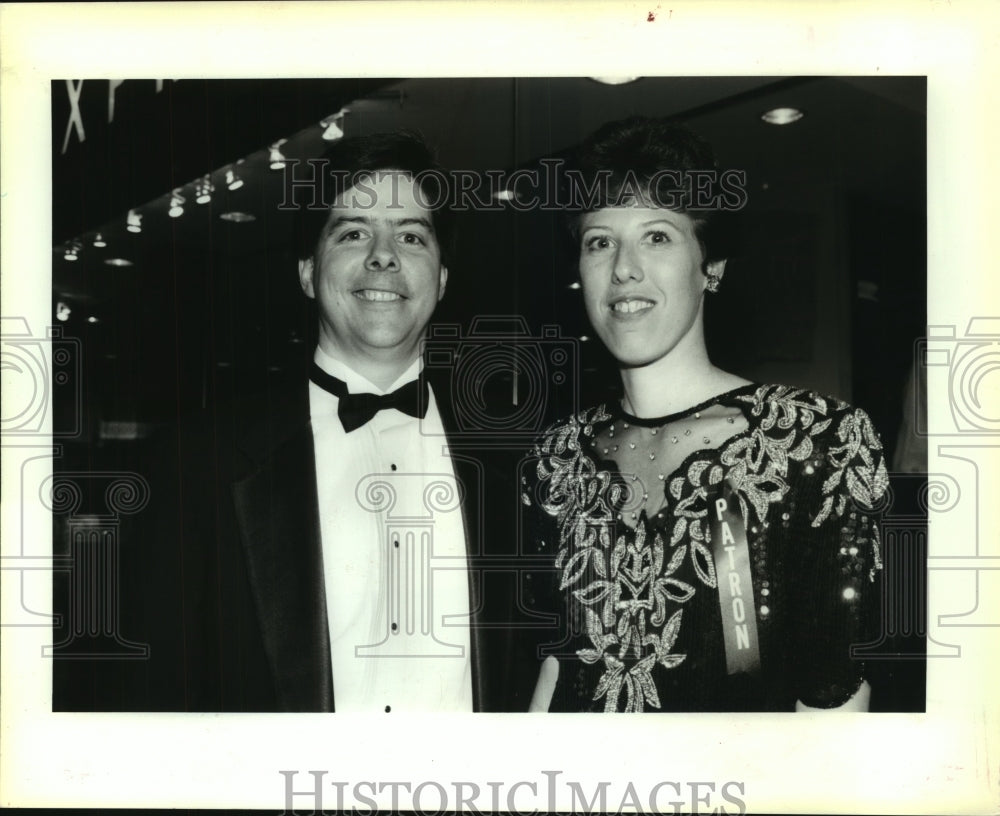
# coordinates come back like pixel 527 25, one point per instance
pixel 625 579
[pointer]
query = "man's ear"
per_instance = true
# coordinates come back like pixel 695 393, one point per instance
pixel 442 281
pixel 306 277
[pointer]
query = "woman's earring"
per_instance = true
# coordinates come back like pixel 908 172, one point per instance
pixel 713 282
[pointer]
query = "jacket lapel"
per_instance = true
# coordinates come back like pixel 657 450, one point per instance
pixel 278 515
pixel 468 476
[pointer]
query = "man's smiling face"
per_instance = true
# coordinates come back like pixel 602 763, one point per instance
pixel 376 273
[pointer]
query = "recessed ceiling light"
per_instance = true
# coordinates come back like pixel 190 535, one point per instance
pixel 92 319
pixel 203 190
pixel 614 80
pixel 333 126
pixel 72 250
pixel 99 241
pixel 575 285
pixel 134 222
pixel 176 204
pixel 117 262
pixel 233 181
pixel 237 217
pixel 276 157
pixel 782 116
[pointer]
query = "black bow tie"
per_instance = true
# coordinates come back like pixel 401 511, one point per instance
pixel 356 409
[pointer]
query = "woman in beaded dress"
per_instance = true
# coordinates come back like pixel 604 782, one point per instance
pixel 710 543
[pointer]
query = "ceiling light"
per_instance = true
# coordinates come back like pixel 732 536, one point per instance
pixel 277 158
pixel 92 319
pixel 117 262
pixel 504 195
pixel 233 181
pixel 782 116
pixel 237 217
pixel 575 285
pixel 99 241
pixel 614 80
pixel 333 126
pixel 134 222
pixel 62 311
pixel 72 252
pixel 176 204
pixel 203 190
pixel 584 338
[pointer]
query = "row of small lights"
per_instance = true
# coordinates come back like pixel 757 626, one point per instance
pixel 332 130
pixel 203 190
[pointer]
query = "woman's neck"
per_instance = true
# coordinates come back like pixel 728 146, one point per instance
pixel 674 383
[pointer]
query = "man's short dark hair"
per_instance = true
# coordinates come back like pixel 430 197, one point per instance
pixel 351 159
pixel 649 156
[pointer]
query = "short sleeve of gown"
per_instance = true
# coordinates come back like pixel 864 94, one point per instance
pixel 836 566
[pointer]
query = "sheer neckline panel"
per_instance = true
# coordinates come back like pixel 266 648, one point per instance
pixel 645 455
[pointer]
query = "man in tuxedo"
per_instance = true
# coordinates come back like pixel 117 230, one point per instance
pixel 321 544
pixel 341 519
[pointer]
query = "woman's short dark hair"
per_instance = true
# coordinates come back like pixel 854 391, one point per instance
pixel 349 160
pixel 658 161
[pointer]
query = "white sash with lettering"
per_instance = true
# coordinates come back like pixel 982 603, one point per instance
pixel 732 568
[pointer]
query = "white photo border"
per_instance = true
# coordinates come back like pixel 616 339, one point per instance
pixel 944 761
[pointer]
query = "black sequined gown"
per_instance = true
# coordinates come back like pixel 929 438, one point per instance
pixel 618 512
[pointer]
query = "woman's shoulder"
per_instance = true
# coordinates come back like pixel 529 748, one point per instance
pixel 835 437
pixel 785 406
pixel 564 433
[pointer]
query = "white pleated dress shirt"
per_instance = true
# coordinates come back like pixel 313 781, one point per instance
pixel 394 555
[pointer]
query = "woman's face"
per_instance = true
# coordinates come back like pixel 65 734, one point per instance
pixel 640 269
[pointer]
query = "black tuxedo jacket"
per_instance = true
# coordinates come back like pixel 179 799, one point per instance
pixel 237 563
pixel 221 578
pixel 277 515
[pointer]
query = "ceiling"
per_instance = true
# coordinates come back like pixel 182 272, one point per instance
pixel 849 136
